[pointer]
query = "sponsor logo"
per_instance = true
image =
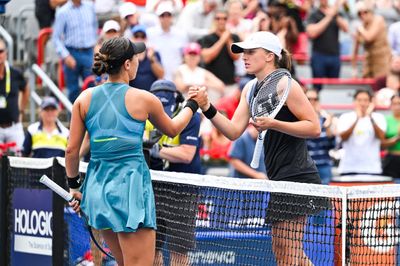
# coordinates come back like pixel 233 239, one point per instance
pixel 212 257
pixel 32 222
pixel 378 226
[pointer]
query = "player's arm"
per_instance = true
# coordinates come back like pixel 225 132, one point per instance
pixel 234 128
pixel 157 116
pixel 307 125
pixel 77 132
pixel 85 147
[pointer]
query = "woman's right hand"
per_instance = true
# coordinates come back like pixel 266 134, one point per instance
pixel 199 94
pixel 76 203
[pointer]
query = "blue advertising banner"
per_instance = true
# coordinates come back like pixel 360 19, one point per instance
pixel 31 241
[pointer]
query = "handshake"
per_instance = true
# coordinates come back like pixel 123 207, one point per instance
pixel 199 94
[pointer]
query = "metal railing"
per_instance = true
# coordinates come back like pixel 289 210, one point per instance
pixel 20 31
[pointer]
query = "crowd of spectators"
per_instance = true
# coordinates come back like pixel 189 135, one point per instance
pixel 188 43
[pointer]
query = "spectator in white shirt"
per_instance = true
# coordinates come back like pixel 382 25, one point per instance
pixel 168 40
pixel 361 132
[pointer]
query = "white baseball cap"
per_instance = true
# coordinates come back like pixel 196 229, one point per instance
pixel 261 39
pixel 111 25
pixel 165 7
pixel 126 9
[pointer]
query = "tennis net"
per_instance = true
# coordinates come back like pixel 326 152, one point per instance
pixel 210 220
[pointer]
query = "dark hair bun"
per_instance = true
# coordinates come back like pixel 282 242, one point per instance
pixel 100 65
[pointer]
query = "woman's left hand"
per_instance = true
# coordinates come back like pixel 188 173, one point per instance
pixel 263 123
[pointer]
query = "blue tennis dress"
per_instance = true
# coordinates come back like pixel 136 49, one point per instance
pixel 117 193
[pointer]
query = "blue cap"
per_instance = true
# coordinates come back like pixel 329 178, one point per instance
pixel 49 102
pixel 166 91
pixel 138 28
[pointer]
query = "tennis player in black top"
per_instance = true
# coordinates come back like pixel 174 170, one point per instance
pixel 285 149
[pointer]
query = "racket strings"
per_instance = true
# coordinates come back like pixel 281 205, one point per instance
pixel 269 95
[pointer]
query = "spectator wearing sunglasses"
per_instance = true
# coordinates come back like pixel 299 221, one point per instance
pixel 216 53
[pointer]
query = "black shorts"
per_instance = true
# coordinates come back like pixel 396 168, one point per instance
pixel 176 210
pixel 283 207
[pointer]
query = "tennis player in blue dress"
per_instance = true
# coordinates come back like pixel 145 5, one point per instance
pixel 117 194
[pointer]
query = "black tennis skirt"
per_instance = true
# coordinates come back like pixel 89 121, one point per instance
pixel 283 207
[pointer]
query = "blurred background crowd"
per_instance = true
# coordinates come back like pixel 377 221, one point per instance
pixel 346 54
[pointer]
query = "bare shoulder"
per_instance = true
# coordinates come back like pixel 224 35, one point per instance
pixel 296 88
pixel 84 97
pixel 86 93
pixel 140 95
pixel 296 95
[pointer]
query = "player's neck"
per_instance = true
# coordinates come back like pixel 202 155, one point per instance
pixel 263 73
pixel 118 79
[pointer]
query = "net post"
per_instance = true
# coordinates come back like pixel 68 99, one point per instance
pixel 344 226
pixel 59 231
pixel 4 208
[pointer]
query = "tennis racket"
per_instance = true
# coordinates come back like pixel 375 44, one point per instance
pixel 68 197
pixel 267 100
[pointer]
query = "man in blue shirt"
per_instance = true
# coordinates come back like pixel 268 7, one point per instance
pixel 74 36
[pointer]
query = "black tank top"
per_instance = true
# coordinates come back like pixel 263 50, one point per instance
pixel 286 156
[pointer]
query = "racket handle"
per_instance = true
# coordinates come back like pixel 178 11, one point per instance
pixel 255 162
pixel 56 188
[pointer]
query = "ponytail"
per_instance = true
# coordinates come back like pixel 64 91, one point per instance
pixel 285 61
